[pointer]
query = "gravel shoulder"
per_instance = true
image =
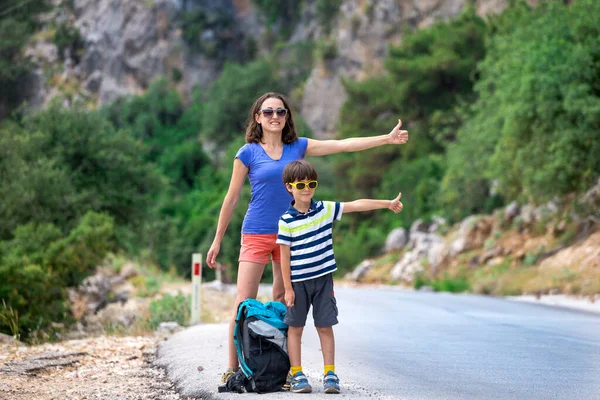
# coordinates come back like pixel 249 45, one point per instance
pixel 102 367
pixel 106 367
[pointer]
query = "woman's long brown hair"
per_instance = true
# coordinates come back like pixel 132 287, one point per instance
pixel 254 132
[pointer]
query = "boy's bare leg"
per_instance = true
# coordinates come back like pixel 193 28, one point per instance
pixel 327 344
pixel 294 343
pixel 248 279
pixel 278 288
pixel 331 383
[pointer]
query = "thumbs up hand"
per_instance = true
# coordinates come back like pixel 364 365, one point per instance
pixel 396 205
pixel 398 136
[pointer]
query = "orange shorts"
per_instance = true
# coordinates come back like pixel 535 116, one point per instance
pixel 259 248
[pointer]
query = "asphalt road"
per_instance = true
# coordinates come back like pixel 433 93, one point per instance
pixel 394 344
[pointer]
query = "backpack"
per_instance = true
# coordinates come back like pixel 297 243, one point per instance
pixel 260 338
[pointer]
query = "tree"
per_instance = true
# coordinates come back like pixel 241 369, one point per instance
pixel 534 128
pixel 168 132
pixel 429 75
pixel 60 163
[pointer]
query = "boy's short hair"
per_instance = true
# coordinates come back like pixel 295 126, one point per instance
pixel 299 170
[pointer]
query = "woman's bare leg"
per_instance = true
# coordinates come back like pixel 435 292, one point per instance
pixel 278 289
pixel 248 279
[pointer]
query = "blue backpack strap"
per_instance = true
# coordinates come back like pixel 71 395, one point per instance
pixel 237 337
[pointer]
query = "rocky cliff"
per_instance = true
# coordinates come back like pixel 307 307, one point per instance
pixel 129 43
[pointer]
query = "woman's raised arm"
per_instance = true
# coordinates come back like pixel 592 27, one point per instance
pixel 325 147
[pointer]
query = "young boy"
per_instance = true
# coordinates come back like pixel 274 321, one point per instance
pixel 307 263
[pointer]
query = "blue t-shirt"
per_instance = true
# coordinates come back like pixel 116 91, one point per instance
pixel 270 199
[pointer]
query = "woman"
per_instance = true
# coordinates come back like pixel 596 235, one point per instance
pixel 271 143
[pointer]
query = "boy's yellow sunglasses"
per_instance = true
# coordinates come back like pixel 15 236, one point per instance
pixel 302 185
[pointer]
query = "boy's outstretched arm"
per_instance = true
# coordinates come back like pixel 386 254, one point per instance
pixel 368 204
pixel 324 147
pixel 286 272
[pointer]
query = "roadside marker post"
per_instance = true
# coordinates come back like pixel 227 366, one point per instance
pixel 196 283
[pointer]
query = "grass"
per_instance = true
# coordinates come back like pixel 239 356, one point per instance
pixel 10 317
pixel 569 235
pixel 451 284
pixel 170 308
pixel 506 280
pixel 447 283
pixel 146 286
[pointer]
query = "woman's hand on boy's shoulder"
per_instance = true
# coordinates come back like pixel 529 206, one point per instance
pixel 396 205
pixel 397 135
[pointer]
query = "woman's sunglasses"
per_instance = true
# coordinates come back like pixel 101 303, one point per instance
pixel 280 112
pixel 302 185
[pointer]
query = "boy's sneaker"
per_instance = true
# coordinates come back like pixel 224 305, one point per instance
pixel 299 384
pixel 228 374
pixel 331 383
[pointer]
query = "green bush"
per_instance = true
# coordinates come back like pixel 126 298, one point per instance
pixel 75 257
pixel 168 132
pixel 36 295
pixel 38 264
pixel 170 308
pixel 420 280
pixel 537 106
pixel 419 181
pixel 354 243
pixel 28 286
pixel 30 244
pixel 34 186
pixel 101 169
pixel 451 284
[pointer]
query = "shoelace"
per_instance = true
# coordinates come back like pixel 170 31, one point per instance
pixel 298 379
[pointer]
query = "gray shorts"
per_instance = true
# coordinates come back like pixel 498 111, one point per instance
pixel 317 292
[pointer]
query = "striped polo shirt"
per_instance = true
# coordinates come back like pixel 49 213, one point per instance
pixel 309 237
